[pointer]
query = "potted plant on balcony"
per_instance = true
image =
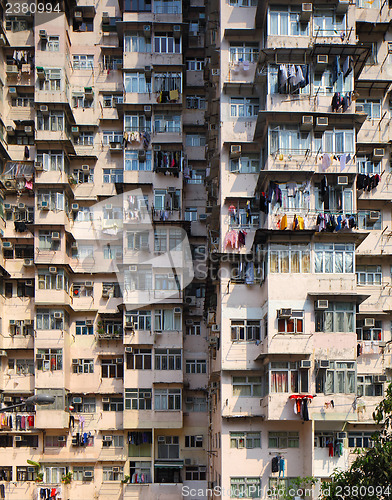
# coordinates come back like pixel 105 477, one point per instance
pixel 67 478
pixel 126 479
pixel 100 329
pixel 40 477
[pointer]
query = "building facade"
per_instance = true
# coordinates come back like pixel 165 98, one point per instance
pixel 299 232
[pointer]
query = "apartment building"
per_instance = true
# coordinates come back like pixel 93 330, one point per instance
pixel 298 302
pixel 102 144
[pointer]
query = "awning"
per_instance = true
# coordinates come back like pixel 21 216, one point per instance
pixel 175 464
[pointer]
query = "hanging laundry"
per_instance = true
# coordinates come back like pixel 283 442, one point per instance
pixel 173 95
pixel 336 101
pixel 283 222
pixel 346 68
pixel 325 162
pixel 281 467
pixel 335 69
pixel 275 464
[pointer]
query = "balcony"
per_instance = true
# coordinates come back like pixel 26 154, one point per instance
pixel 17 342
pixel 142 59
pixel 57 218
pixel 150 419
pixel 51 177
pixel 51 419
pixel 52 297
pixel 138 337
pixel 57 97
pixel 239 131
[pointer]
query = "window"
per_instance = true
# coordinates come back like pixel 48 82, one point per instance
pixel 49 359
pixel 275 87
pixel 372 107
pixel 80 100
pixel 168 123
pixel 168 447
pixel 53 474
pixel 139 359
pixel 134 162
pixel 82 177
pixel 336 141
pixel 360 440
pixel 289 258
pixel 244 51
pixel 139 444
pixel 339 200
pixel 373 56
pixel 138 399
pixel 53 122
pixel 369 275
pixel 84 138
pixel 83 25
pixel 55 441
pixel 51 160
pixel 167 399
pixel 197 177
pixel 195 140
pixel 51 281
pixel 111 136
pixel 142 469
pixel 28 441
pixel 366 386
pixel 88 405
pixel 136 83
pixel 249 164
pixel 136 42
pixel 283 440
pixel 117 441
pixel 136 123
pixel 21 366
pixel 52 44
pixel 26 473
pixel 244 107
pixel 370 220
pixel 112 368
pixel 247 440
pixel 22 100
pixel 288 139
pixel 113 175
pixel 334 258
pixel 81 290
pixel 83 329
pixel 167 7
pixel 194 329
pixel 243 3
pixel 5 473
pixel 112 473
pixel 52 80
pixel 339 317
pixel 190 214
pixel 110 100
pixel 112 251
pixel 196 366
pixel 247 386
pixel 195 473
pixel 194 64
pixel 83 62
pixel 114 404
pixel 245 487
pixel 369 333
pixel 165 43
pixel 138 280
pixel 368 167
pixel 285 21
pixel 167 320
pixel 285 377
pixel 197 404
pixel 245 330
pixel 168 359
pixel 83 366
pixel 167 81
pixel 294 324
pixel 196 102
pixel 79 473
pixel 326 22
pixel 16 24
pixel 339 378
pixel 193 441
pixel 141 319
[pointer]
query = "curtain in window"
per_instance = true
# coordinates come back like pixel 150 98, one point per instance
pixel 318 262
pixel 329 382
pixel 328 321
pixel 279 382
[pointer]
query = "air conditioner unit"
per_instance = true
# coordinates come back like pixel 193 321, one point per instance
pixel 321 121
pixel 75 130
pixel 129 350
pixel 39 356
pixel 28 130
pixel 10 130
pixel 189 322
pixel 75 361
pixel 43 35
pixel 341 435
pixel 322 59
pixel 28 263
pixel 191 301
pixel 284 313
pixel 18 438
pixel 305 363
pixel 89 322
pixel 12 90
pixel 87 474
pixel 12 68
pixel 378 152
pixel 55 235
pixel 322 304
pixel 21 206
pixel 57 315
pixel 44 109
pixel 235 151
pixel 360 108
pixel 369 322
pixel 342 180
pixel 75 207
pixel 12 322
pixel 147 110
pixel 188 461
pixel 203 217
pixel 133 268
pixel 307 9
pixel 119 361
pixel 161 439
pixel 7 244
pixel 38 165
pixel 373 216
pixel 105 18
pixel 78 14
pixel 86 168
pixel 107 438
pixel 177 310
pixel 171 189
pixel 53 270
pixel 323 363
pixel 307 122
pixel 380 379
pixel 44 205
pixel 176 31
pixel 40 72
pixel 88 91
pixel 29 322
pixel 105 400
pixel 215 328
pixel 7 206
pixel 108 206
